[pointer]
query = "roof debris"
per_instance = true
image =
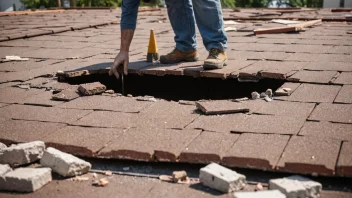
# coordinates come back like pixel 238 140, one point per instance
pixel 89 89
pixel 16 58
pixel 101 182
pixel 179 176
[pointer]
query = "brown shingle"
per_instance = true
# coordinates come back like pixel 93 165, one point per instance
pixel 310 155
pixel 260 151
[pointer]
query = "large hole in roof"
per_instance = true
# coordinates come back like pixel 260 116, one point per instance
pixel 176 88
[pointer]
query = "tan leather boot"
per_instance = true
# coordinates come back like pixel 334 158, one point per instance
pixel 177 56
pixel 217 59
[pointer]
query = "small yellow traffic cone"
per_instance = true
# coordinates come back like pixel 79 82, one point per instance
pixel 153 54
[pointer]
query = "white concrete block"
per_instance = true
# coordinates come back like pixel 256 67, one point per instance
pixel 4 168
pixel 221 178
pixel 63 163
pixel 2 145
pixel 22 153
pixel 291 188
pixel 25 179
pixel 313 188
pixel 260 194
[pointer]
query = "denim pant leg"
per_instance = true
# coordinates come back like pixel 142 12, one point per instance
pixel 210 23
pixel 182 21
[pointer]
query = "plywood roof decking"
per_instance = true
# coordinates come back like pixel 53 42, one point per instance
pixel 317 62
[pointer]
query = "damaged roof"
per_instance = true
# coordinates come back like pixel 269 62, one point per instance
pixel 307 131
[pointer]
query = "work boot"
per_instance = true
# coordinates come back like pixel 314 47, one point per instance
pixel 217 59
pixel 177 56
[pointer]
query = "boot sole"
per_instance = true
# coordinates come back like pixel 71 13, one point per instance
pixel 189 59
pixel 211 67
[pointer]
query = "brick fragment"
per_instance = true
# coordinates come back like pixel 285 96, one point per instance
pixel 260 194
pixel 221 107
pixel 91 88
pixel 25 179
pixel 22 153
pixel 221 178
pixel 63 163
pixel 4 168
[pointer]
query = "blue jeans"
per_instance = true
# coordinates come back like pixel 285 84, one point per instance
pixel 207 14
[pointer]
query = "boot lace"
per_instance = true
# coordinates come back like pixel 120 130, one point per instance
pixel 214 53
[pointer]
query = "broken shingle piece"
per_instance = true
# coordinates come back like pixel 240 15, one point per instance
pixel 91 88
pixel 66 95
pixel 221 107
pixel 286 89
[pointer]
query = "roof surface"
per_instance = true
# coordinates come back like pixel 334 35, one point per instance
pixel 308 132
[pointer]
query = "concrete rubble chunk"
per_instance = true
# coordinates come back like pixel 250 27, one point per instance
pixel 268 99
pixel 291 188
pixel 179 176
pixel 221 178
pixel 255 95
pixel 22 153
pixel 4 168
pixel 269 93
pixel 296 187
pixel 91 88
pixel 263 95
pixel 25 179
pixel 260 194
pixel 2 146
pixel 64 164
pixel 313 188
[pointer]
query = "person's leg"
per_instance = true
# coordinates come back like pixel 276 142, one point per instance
pixel 210 23
pixel 182 21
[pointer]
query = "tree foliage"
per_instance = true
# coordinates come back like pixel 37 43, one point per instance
pixel 228 3
pixel 252 3
pixel 38 3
